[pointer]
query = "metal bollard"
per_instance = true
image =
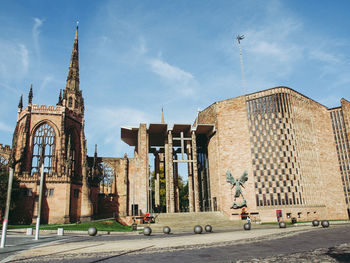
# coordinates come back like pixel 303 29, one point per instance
pixel 29 231
pixel 60 231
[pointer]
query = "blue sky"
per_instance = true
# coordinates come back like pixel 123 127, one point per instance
pixel 136 56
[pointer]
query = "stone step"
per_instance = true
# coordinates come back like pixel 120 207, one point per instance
pixel 190 216
pixel 184 217
pixel 189 227
pixel 184 222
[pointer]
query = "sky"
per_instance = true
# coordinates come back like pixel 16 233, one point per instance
pixel 139 56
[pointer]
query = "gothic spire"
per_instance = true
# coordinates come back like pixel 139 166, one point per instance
pixel 73 73
pixel 95 160
pixel 60 98
pixel 30 95
pixel 162 121
pixel 20 104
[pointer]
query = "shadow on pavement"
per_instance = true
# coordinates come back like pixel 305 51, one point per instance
pixel 55 253
pixel 121 254
pixel 338 255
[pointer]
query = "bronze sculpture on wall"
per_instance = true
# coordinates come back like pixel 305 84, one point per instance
pixel 237 184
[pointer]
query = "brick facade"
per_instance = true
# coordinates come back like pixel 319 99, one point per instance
pixel 285 141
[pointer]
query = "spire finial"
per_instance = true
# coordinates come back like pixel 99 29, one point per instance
pixel 76 31
pixel 20 104
pixel 60 98
pixel 95 160
pixel 30 95
pixel 162 121
pixel 73 73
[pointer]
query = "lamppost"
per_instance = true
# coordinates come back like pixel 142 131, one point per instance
pixel 8 201
pixel 42 156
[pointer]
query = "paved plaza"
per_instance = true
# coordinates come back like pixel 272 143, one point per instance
pixel 263 244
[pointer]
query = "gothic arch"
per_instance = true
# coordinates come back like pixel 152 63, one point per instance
pixel 73 139
pixel 3 162
pixel 43 139
pixel 108 179
pixel 53 125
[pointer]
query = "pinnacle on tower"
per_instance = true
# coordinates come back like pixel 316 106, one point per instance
pixel 95 154
pixel 162 121
pixel 60 98
pixel 95 160
pixel 73 73
pixel 20 104
pixel 30 95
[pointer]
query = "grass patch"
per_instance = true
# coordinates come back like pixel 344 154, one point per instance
pixel 104 225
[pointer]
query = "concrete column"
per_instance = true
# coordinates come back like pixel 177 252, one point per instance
pixel 171 174
pixel 166 170
pixel 67 203
pixel 86 204
pixel 125 211
pixel 190 178
pixel 176 184
pixel 156 181
pixel 195 173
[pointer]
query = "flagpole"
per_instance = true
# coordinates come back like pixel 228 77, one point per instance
pixel 239 38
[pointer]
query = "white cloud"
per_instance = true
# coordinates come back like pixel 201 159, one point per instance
pixel 4 127
pixel 23 52
pixel 36 31
pixel 324 57
pixel 184 82
pixel 110 120
pixel 9 88
pixel 170 72
pixel 114 117
pixel 14 57
pixel 141 49
pixel 330 101
pixel 274 50
pixel 46 81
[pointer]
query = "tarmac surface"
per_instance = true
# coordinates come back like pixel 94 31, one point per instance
pixel 263 244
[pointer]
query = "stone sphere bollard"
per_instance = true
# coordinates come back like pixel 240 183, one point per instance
pixel 325 223
pixel 208 228
pixel 92 231
pixel 166 230
pixel 315 222
pixel 246 226
pixel 282 224
pixel 147 231
pixel 198 229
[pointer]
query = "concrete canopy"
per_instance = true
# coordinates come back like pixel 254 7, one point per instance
pixel 157 132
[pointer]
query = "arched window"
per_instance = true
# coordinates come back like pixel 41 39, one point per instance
pixel 44 140
pixel 70 102
pixel 3 163
pixel 108 178
pixel 71 154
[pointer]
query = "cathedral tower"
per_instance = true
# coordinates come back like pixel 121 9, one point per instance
pixel 57 133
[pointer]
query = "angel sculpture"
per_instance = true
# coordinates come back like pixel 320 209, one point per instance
pixel 238 190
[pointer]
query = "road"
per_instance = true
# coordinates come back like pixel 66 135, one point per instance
pixel 18 242
pixel 319 245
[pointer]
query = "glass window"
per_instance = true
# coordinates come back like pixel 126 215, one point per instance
pixel 3 163
pixel 108 178
pixel 70 102
pixel 43 143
